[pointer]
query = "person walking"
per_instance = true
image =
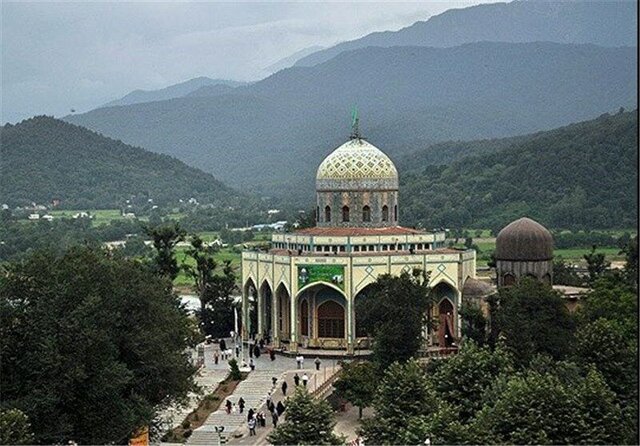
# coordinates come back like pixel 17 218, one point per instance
pixel 237 350
pixel 301 361
pixel 228 406
pixel 223 345
pixel 305 379
pixel 250 414
pixel 280 408
pixel 241 404
pixel 296 380
pixel 252 426
pixel 215 357
pixel 274 380
pixel 274 418
pixel 317 362
pixel 250 350
pixel 263 419
pixel 256 350
pixel 272 355
pixel 252 364
pixel 284 388
pixel 298 361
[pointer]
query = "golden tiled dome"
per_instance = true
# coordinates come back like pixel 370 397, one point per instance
pixel 357 159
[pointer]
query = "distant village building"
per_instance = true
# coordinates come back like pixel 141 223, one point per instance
pixel 303 291
pixel 34 216
pixel 47 217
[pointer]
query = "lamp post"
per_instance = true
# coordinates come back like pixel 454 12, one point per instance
pixel 219 430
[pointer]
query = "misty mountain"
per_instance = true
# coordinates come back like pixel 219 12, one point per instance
pixel 270 136
pixel 288 61
pixel 604 23
pixel 210 90
pixel 172 91
pixel 580 176
pixel 44 158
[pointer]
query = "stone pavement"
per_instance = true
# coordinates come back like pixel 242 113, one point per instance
pixel 208 380
pixel 254 390
pixel 316 378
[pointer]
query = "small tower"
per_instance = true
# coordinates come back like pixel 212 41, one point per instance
pixel 524 248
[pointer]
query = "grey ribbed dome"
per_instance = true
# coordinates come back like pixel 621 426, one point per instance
pixel 524 239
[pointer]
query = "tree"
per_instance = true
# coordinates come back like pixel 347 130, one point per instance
pixel 631 265
pixel 532 318
pixel 357 384
pixel 218 317
pixel 394 313
pixel 541 408
pixel 308 422
pixel 597 264
pixel 165 238
pixel 474 323
pixel 202 271
pixel 564 274
pixel 405 401
pixel 234 370
pixel 463 379
pixel 92 345
pixel 15 427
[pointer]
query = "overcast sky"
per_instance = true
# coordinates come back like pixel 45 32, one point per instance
pixel 57 56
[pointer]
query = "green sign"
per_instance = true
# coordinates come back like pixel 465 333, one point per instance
pixel 333 274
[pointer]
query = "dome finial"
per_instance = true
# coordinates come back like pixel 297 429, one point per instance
pixel 355 124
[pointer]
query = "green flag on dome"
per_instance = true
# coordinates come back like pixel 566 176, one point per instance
pixel 355 131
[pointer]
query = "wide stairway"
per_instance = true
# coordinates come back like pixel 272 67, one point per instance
pixel 253 390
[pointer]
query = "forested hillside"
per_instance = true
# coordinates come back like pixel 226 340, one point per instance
pixel 270 136
pixel 580 176
pixel 606 23
pixel 44 159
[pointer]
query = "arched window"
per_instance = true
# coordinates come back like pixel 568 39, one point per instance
pixel 304 318
pixel 330 320
pixel 366 214
pixel 345 213
pixel 327 214
pixel 318 213
pixel 385 213
pixel 508 279
pixel 395 213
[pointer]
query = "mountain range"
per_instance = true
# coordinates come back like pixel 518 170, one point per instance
pixel 604 23
pixel 175 91
pixel 45 158
pixel 271 135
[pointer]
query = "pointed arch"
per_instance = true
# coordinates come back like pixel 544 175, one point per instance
pixel 366 214
pixel 266 295
pixel 327 214
pixel 345 213
pixel 385 213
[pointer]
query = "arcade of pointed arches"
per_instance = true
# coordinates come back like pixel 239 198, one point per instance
pixel 322 316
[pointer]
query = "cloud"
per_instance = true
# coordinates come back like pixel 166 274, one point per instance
pixel 57 56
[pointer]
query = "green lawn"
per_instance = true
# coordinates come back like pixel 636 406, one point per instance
pixel 100 216
pixel 574 255
pixel 220 257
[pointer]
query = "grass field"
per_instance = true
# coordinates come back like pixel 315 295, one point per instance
pixel 220 257
pixel 573 255
pixel 100 216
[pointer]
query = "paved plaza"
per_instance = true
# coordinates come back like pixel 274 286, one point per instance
pixel 254 390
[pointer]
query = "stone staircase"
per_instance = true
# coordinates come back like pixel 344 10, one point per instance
pixel 254 390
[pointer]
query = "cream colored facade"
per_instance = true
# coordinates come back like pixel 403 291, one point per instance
pixel 272 287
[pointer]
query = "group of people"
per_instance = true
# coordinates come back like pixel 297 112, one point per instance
pixel 255 419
